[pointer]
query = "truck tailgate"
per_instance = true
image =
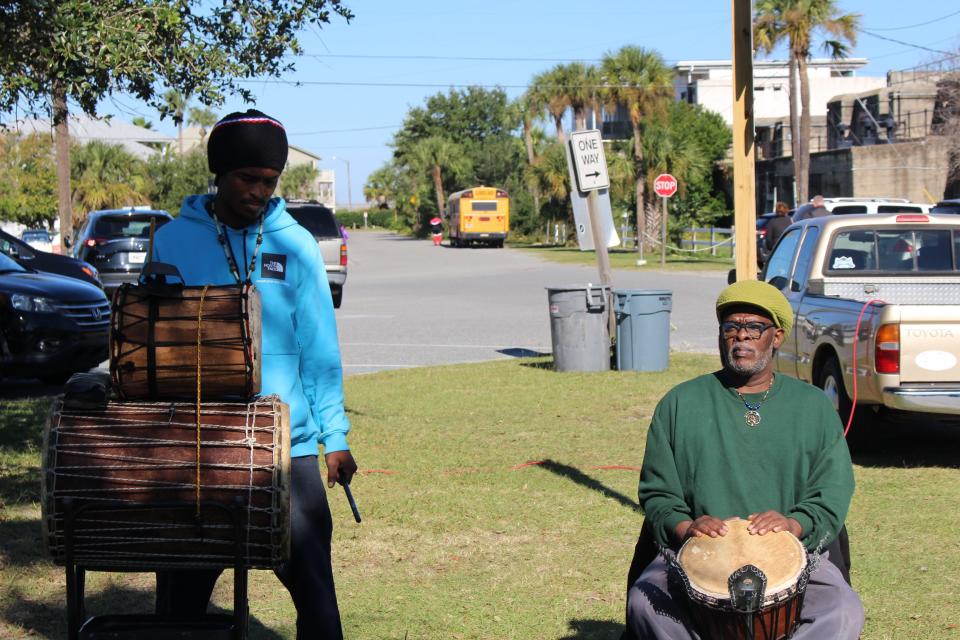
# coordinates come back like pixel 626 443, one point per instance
pixel 929 343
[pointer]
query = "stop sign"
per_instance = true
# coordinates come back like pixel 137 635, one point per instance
pixel 665 185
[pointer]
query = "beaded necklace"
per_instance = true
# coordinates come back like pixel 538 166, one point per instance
pixel 228 249
pixel 752 416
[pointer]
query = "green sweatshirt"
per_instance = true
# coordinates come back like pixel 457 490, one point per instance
pixel 702 458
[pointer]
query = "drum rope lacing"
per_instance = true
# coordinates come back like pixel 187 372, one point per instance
pixel 90 544
pixel 203 293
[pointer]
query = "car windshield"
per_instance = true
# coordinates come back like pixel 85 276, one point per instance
pixel 7 264
pixel 947 207
pixel 127 226
pixel 42 236
pixel 319 221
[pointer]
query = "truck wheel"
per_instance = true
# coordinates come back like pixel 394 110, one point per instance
pixel 831 381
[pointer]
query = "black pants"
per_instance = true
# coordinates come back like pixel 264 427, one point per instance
pixel 308 576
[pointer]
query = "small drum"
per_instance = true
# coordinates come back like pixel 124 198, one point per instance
pixel 743 586
pixel 153 343
pixel 133 485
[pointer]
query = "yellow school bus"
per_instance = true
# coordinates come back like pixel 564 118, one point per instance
pixel 478 215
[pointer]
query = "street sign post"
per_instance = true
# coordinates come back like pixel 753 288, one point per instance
pixel 589 160
pixel 664 186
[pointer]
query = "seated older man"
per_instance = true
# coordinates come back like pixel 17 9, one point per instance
pixel 744 442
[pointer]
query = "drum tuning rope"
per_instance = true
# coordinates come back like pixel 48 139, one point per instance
pixel 203 293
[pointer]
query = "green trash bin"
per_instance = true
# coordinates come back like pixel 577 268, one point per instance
pixel 579 329
pixel 643 328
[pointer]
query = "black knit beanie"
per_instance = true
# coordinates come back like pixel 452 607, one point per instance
pixel 250 139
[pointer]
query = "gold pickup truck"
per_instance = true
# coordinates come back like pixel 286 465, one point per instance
pixel 886 285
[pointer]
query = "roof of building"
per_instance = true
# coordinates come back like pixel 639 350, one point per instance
pixel 84 129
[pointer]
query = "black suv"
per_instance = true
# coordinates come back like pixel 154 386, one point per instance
pixel 115 242
pixel 50 326
pixel 31 258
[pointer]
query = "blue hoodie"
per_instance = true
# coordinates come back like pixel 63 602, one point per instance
pixel 301 354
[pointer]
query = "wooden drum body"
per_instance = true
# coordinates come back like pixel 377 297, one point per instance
pixel 127 477
pixel 773 566
pixel 153 342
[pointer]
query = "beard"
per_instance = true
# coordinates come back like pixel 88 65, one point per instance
pixel 731 362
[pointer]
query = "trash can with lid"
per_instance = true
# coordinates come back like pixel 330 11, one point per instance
pixel 579 327
pixel 643 328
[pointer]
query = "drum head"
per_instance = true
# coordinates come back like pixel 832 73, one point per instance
pixel 708 562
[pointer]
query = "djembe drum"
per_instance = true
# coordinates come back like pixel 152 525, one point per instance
pixel 743 586
pixel 155 330
pixel 123 474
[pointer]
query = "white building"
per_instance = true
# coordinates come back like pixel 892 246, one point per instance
pixel 709 83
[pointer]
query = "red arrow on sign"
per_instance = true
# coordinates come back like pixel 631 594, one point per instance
pixel 665 185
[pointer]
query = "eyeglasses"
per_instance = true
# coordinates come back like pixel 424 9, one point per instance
pixel 753 329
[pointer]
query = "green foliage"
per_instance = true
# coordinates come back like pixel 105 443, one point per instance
pixel 92 48
pixel 174 176
pixel 375 218
pixel 105 176
pixel 298 181
pixel 27 180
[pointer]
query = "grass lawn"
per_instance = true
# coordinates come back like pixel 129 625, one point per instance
pixel 462 538
pixel 627 259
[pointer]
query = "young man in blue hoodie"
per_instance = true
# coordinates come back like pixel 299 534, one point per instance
pixel 243 234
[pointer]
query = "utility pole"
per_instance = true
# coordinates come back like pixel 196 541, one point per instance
pixel 349 188
pixel 744 181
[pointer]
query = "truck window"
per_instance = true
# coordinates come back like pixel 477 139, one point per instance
pixel 849 208
pixel 933 250
pixel 907 251
pixel 853 251
pixel 778 266
pixel 801 272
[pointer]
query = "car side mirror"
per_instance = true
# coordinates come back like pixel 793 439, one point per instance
pixel 25 254
pixel 732 276
pixel 67 242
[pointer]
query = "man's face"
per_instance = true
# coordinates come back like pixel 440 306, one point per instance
pixel 740 352
pixel 245 192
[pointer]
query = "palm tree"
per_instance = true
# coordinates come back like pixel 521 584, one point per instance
pixel 797 22
pixel 435 154
pixel 576 81
pixel 528 107
pixel 105 175
pixel 639 80
pixel 201 117
pixel 547 87
pixel 175 104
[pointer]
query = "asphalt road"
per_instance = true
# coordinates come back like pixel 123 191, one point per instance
pixel 408 304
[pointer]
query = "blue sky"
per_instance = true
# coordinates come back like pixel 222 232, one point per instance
pixel 360 79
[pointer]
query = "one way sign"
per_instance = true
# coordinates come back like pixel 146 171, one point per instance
pixel 586 147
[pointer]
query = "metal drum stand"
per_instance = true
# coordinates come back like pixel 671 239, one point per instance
pixel 151 626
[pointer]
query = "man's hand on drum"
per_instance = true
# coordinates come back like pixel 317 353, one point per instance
pixel 340 467
pixel 702 526
pixel 771 521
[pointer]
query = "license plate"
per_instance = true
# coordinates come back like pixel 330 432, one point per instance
pixel 137 257
pixel 484 219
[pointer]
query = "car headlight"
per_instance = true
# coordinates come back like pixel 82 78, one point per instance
pixel 36 304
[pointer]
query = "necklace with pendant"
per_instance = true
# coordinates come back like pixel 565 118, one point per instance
pixel 752 416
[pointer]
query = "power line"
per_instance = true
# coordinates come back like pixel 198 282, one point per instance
pixel 431 85
pixel 906 44
pixel 434 57
pixel 919 24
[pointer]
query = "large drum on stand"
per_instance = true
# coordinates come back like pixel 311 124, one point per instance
pixel 147 485
pixel 742 586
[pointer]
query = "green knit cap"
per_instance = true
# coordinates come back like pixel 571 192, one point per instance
pixel 757 294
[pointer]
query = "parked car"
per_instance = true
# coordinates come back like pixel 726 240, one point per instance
pixel 116 241
pixel 893 281
pixel 31 258
pixel 844 206
pixel 50 326
pixel 762 221
pixel 39 239
pixel 946 206
pixel 322 223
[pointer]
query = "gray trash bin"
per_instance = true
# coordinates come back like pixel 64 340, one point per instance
pixel 643 328
pixel 578 327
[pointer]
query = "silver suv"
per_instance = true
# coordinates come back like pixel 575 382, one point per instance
pixel 320 221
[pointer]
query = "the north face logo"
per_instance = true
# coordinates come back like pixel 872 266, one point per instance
pixel 274 266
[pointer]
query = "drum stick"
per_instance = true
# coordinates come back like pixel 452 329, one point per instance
pixel 353 504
